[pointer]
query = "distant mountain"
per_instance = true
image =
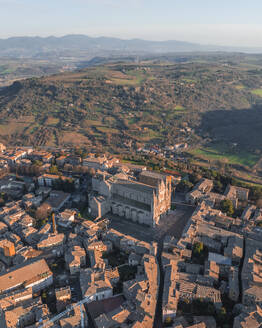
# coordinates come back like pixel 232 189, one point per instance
pixel 82 45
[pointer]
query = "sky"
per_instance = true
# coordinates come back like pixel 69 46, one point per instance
pixel 217 22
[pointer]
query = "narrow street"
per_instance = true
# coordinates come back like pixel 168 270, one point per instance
pixel 172 224
pixel 240 271
pixel 158 322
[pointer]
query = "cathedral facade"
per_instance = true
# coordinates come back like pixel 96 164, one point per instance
pixel 141 200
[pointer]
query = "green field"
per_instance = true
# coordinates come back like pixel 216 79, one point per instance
pixel 189 80
pixel 4 69
pixel 179 107
pixel 52 121
pixel 226 156
pixel 131 78
pixel 240 87
pixel 104 129
pixel 257 92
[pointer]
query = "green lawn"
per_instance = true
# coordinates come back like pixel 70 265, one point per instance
pixel 225 155
pixel 257 92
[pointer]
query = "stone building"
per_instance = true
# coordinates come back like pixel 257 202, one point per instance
pixel 99 206
pixel 35 274
pixel 201 189
pixel 63 298
pixel 236 194
pixel 249 317
pixel 142 201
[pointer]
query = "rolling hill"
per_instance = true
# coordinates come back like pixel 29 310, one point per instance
pixel 125 105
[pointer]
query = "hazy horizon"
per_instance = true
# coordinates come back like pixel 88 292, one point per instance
pixel 130 38
pixel 226 23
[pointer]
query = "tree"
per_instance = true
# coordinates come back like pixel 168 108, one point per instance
pixel 200 253
pixel 184 186
pixel 222 316
pixel 194 177
pixel 168 321
pixel 53 170
pixel 198 248
pixel 227 207
pixel 218 186
pixel 184 306
pixel 38 163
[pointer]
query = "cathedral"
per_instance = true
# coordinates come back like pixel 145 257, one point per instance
pixel 143 199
